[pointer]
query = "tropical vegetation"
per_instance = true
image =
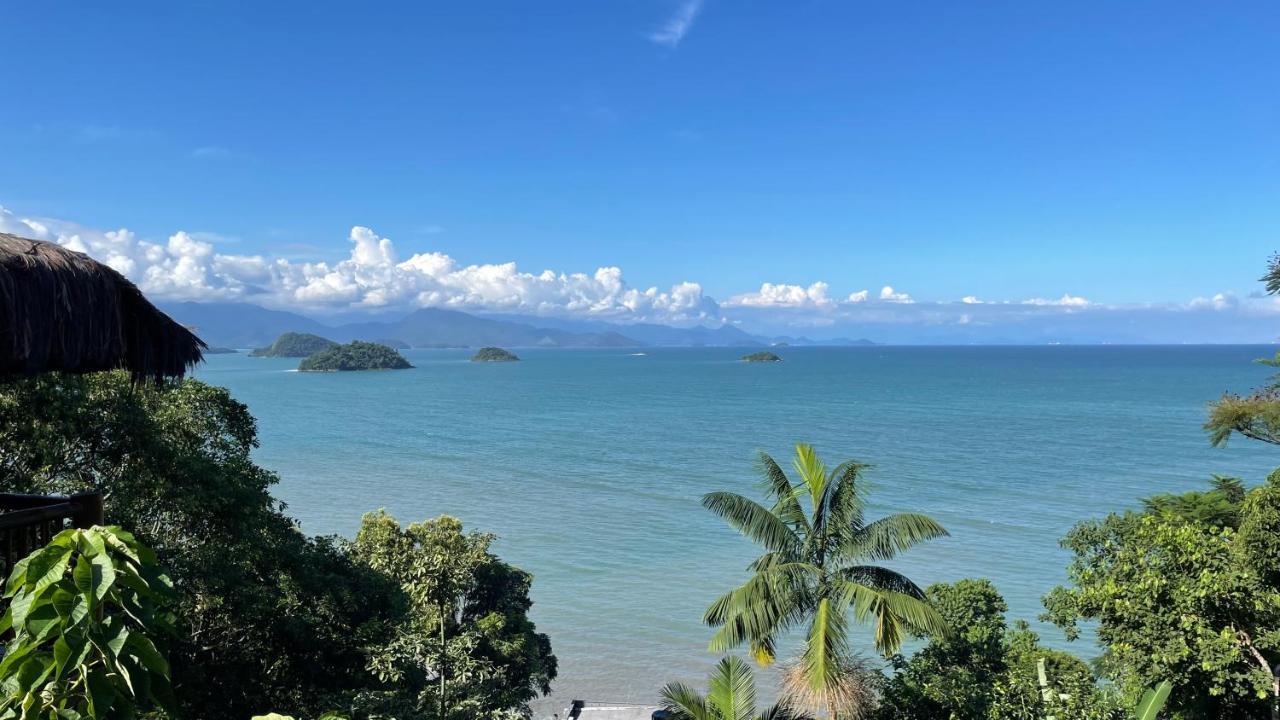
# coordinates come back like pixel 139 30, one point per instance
pixel 814 571
pixel 356 355
pixel 264 616
pixel 731 696
pixel 762 356
pixel 986 670
pixel 294 344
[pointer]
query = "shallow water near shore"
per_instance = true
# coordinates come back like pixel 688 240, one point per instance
pixel 589 465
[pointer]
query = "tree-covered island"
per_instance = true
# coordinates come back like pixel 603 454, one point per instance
pixel 356 355
pixel 294 344
pixel 493 354
pixel 762 356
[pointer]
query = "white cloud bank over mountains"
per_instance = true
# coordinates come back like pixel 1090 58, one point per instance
pixel 189 266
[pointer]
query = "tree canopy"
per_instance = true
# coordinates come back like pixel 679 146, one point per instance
pixel 265 617
pixel 1184 591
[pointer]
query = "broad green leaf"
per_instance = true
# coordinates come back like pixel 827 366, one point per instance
pixel 46 567
pixel 17 577
pixel 104 575
pixel 146 652
pixel 101 695
pixel 1153 701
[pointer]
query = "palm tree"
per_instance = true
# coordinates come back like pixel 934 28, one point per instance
pixel 812 571
pixel 732 696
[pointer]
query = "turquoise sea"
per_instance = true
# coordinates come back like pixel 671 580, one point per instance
pixel 590 464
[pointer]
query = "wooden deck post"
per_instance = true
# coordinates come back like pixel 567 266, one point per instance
pixel 88 509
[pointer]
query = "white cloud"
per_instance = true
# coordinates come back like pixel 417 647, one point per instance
pixel 186 267
pixel 1220 301
pixel 1067 300
pixel 887 294
pixel 678 25
pixel 857 297
pixel 781 295
pixel 970 300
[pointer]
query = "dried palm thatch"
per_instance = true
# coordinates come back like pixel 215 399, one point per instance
pixel 61 310
pixel 853 695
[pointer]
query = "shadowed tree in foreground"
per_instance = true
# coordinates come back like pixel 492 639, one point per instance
pixel 816 541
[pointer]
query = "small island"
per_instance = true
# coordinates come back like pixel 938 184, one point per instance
pixel 294 344
pixel 493 354
pixel 220 351
pixel 762 356
pixel 354 356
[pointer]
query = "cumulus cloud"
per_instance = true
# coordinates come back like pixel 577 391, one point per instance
pixel 678 25
pixel 970 300
pixel 186 267
pixel 888 294
pixel 857 297
pixel 781 295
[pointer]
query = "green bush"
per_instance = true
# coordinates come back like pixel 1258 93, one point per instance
pixel 86 612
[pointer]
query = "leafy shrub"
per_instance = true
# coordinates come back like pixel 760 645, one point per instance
pixel 86 611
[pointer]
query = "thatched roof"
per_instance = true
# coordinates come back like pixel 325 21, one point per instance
pixel 62 310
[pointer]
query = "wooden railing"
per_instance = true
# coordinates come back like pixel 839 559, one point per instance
pixel 28 522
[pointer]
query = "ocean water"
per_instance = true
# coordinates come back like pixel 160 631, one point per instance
pixel 589 465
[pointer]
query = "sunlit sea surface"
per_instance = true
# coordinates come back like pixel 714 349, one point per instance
pixel 589 465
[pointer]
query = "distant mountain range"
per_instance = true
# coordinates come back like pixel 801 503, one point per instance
pixel 243 325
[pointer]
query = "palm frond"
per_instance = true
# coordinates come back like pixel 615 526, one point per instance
pixel 769 602
pixel 897 614
pixel 884 538
pixel 812 472
pixel 881 578
pixel 753 520
pixel 684 703
pixel 732 693
pixel 849 500
pixel 783 710
pixel 825 644
pixel 778 486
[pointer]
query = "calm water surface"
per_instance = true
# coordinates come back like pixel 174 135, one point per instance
pixel 590 463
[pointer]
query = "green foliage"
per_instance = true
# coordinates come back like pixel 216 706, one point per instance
pixel 265 617
pixel 1153 701
pixel 493 354
pixel 86 612
pixel 815 538
pixel 466 643
pixel 1255 416
pixel 1180 598
pixel 294 344
pixel 731 696
pixel 763 356
pixel 985 671
pixel 1218 506
pixel 354 356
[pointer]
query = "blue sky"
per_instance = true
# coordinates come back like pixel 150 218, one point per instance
pixel 1120 152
